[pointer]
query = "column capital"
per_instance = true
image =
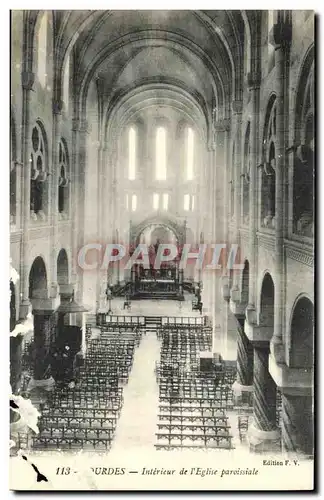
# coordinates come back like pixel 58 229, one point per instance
pixel 237 308
pixel 58 106
pixel 85 126
pixel 66 291
pixel 45 306
pixel 253 80
pixel 280 35
pixel 293 381
pixel 222 125
pixel 225 288
pixel 101 85
pixel 27 80
pixel 237 107
pixel 259 335
pixel 75 124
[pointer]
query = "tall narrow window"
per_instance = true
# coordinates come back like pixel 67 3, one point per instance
pixel 165 201
pixel 131 154
pixel 38 174
pixel 193 202
pixel 134 202
pixel 161 154
pixel 63 179
pixel 42 50
pixel 66 84
pixel 156 201
pixel 190 153
pixel 186 202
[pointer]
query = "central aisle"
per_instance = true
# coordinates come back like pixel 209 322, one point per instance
pixel 137 424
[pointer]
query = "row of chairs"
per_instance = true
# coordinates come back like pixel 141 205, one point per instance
pixel 86 416
pixel 192 404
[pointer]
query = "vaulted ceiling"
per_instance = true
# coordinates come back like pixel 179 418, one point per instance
pixel 198 53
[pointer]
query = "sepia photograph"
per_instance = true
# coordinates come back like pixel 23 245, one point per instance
pixel 162 203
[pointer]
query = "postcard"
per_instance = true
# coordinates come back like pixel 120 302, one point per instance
pixel 162 250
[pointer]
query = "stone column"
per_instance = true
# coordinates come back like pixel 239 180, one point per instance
pixel 207 227
pixel 74 194
pixel 27 80
pixel 45 332
pixel 15 362
pixel 212 303
pixel 280 37
pixel 243 386
pixel 237 107
pixel 54 182
pixel 81 133
pixel 297 419
pixel 297 424
pixel 221 128
pixel 264 435
pixel 101 275
pixel 254 80
pixel 66 293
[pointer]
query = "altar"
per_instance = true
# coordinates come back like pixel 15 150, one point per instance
pixel 165 283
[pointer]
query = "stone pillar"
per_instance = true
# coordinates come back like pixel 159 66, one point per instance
pixel 15 362
pixel 280 37
pixel 81 132
pixel 254 80
pixel 45 332
pixel 297 424
pixel 237 107
pixel 213 300
pixel 74 194
pixel 54 182
pixel 41 360
pixel 222 128
pixel 297 419
pixel 264 435
pixel 243 386
pixel 66 293
pixel 27 80
pixel 101 275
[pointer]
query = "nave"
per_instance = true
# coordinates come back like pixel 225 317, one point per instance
pixel 178 128
pixel 143 387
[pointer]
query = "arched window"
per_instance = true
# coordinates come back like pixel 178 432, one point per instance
pixel 63 191
pixel 42 50
pixel 302 335
pixel 134 202
pixel 66 83
pixel 246 176
pixel 303 184
pixel 132 154
pixel 165 201
pixel 160 154
pixel 156 201
pixel 190 154
pixel 38 174
pixel 188 202
pixel 268 189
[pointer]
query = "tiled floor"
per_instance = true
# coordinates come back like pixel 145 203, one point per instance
pixel 137 423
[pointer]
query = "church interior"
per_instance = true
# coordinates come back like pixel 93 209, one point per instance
pixel 184 128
